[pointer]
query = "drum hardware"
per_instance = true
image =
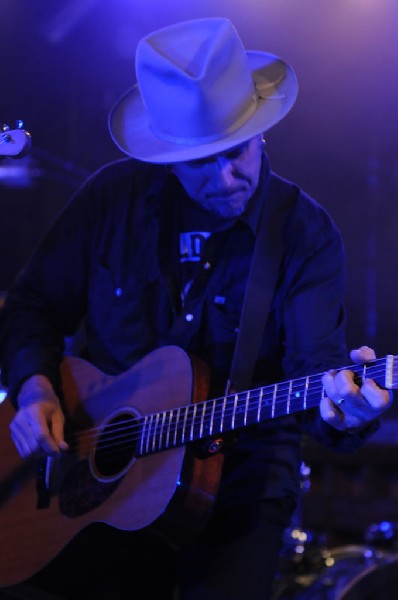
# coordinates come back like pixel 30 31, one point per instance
pixel 328 574
pixel 296 538
pixel 309 570
pixel 297 541
pixel 378 582
pixel 383 535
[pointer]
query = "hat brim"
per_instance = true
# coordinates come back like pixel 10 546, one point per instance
pixel 276 86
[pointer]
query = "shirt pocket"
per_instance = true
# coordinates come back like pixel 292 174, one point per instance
pixel 120 310
pixel 224 311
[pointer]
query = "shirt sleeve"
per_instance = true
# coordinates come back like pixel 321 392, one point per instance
pixel 47 300
pixel 314 313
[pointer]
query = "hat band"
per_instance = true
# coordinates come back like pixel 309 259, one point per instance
pixel 250 110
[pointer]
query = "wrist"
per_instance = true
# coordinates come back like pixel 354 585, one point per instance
pixel 34 388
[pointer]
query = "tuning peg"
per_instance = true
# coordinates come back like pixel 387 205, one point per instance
pixel 5 127
pixel 19 124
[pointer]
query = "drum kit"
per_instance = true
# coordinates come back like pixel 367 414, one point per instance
pixel 310 570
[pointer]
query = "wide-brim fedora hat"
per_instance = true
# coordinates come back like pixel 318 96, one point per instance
pixel 199 92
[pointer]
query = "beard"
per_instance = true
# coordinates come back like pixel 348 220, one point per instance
pixel 226 206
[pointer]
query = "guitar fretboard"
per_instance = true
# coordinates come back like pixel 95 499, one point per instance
pixel 171 428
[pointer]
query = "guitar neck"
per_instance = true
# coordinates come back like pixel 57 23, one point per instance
pixel 171 428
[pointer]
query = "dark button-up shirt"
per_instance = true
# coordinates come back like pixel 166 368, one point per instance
pixel 109 267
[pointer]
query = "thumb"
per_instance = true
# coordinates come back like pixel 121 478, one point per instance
pixel 362 354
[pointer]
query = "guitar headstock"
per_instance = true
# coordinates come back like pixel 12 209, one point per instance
pixel 14 142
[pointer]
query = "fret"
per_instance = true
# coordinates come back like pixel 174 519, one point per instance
pixel 298 394
pixel 155 432
pixel 184 424
pixel 281 407
pixel 234 411
pixel 202 419
pixel 223 413
pixel 176 426
pixel 193 422
pixel 212 416
pixel 289 396
pixel 314 398
pixel 161 429
pixel 363 373
pixel 274 394
pixel 171 413
pixel 149 433
pixel 143 435
pixel 260 400
pixel 247 403
pixel 307 382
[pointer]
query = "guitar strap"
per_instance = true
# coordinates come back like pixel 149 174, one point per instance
pixel 263 276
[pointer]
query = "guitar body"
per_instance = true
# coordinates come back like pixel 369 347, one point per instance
pixel 44 504
pixel 127 465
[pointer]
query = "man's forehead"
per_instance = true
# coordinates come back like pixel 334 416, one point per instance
pixel 225 153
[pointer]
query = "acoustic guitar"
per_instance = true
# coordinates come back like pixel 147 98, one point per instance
pixel 132 461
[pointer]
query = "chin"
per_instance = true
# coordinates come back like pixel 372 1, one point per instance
pixel 229 209
pixel 234 210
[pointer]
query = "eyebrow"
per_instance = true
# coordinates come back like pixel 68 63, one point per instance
pixel 198 161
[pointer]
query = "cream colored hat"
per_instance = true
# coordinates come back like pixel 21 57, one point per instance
pixel 199 92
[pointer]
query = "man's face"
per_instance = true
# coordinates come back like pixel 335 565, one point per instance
pixel 223 183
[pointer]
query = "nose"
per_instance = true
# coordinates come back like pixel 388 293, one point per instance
pixel 225 171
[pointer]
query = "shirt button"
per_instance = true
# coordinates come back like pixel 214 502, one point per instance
pixel 206 266
pixel 189 317
pixel 118 292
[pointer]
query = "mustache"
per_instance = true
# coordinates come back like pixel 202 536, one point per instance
pixel 225 194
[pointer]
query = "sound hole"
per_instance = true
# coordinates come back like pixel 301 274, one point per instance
pixel 116 446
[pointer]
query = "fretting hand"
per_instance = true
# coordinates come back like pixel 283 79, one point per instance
pixel 347 406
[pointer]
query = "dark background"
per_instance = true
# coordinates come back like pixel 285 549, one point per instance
pixel 64 63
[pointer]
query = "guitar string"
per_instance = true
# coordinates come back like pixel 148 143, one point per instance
pixel 241 397
pixel 233 406
pixel 255 394
pixel 129 437
pixel 124 429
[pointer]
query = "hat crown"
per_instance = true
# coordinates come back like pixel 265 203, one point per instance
pixel 195 81
pixel 199 92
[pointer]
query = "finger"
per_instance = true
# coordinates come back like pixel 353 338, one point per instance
pixel 42 434
pixel 345 384
pixel 376 397
pixel 22 438
pixel 339 384
pixel 362 354
pixel 21 445
pixel 330 413
pixel 329 384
